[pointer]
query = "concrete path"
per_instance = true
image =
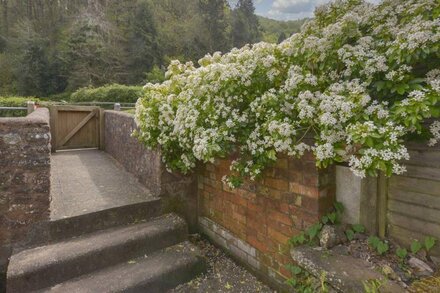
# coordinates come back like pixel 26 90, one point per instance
pixel 87 181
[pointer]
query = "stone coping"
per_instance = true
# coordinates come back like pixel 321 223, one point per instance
pixel 39 117
pixel 122 113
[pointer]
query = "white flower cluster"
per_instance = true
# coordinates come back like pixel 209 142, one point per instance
pixel 435 131
pixel 349 87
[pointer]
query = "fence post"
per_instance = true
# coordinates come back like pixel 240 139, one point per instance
pixel 117 107
pixel 30 107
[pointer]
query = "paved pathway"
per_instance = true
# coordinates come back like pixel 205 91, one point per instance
pixel 87 181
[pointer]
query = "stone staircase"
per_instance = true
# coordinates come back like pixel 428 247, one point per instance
pixel 127 249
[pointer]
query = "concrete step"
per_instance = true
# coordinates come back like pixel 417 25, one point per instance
pixel 159 272
pixel 343 272
pixel 45 266
pixel 62 229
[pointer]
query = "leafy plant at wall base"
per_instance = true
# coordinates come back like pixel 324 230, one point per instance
pixel 373 285
pixel 429 243
pixel 378 245
pixel 373 241
pixel 301 280
pixel 313 231
pixel 350 234
pixel 298 239
pixel 382 247
pixel 358 228
pixel 323 281
pixel 402 253
pixel 415 246
pixel 332 217
pixel 339 207
pixel 295 270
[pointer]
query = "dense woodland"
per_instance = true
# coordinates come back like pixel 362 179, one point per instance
pixel 54 46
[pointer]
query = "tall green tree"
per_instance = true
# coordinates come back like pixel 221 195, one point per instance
pixel 144 51
pixel 31 63
pixel 93 50
pixel 214 18
pixel 245 24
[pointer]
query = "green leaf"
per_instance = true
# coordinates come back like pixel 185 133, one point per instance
pixel 358 228
pixel 382 247
pixel 313 231
pixel 350 234
pixel 295 270
pixel 429 243
pixel 332 217
pixel 339 207
pixel 324 220
pixel 369 141
pixel 298 240
pixel 373 241
pixel 415 246
pixel 401 253
pixel 292 282
pixel 272 155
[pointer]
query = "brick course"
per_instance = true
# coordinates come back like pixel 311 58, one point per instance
pixel 260 217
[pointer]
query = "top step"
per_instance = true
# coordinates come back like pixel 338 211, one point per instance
pixel 44 266
pixel 62 229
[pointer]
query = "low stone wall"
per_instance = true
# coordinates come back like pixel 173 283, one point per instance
pixel 24 177
pixel 255 222
pixel 179 193
pixel 136 159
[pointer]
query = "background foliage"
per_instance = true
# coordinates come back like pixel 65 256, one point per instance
pixel 110 93
pixel 48 47
pixel 15 102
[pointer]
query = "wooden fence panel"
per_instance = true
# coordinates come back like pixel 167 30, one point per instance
pixel 413 199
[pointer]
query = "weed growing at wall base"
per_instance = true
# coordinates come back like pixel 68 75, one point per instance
pixel 358 79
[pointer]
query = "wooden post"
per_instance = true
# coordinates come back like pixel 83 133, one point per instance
pixel 30 107
pixel 369 204
pixel 117 107
pixel 53 130
pixel 101 129
pixel 382 202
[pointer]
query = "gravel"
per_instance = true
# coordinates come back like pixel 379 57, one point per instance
pixel 223 274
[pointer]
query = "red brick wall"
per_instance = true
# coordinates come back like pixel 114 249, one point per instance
pixel 291 196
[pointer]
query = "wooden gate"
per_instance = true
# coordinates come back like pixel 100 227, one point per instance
pixel 75 127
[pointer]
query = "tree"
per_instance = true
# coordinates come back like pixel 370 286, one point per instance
pixel 92 50
pixel 31 66
pixel 213 13
pixel 245 25
pixel 143 49
pixel 282 37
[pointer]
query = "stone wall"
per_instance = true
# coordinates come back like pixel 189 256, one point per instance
pixel 255 222
pixel 179 193
pixel 24 177
pixel 136 159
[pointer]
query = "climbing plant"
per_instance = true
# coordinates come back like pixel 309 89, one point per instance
pixel 359 79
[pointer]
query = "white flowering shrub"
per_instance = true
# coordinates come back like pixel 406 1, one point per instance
pixel 359 79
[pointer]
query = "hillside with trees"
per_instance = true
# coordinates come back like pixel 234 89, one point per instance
pixel 49 47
